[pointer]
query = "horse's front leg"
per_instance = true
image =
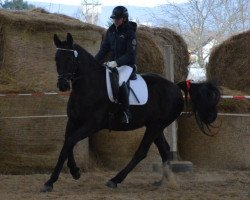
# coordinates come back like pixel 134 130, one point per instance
pixel 68 146
pixel 74 170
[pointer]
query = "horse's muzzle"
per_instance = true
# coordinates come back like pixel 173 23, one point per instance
pixel 63 85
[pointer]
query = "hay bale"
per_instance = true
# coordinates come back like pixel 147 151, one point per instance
pixel 229 62
pixel 27 50
pixel 27 63
pixel 229 149
pixel 32 145
pixel 115 149
pixel 149 55
pixel 165 36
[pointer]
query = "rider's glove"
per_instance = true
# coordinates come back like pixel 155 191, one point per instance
pixel 112 64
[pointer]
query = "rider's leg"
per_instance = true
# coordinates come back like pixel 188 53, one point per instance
pixel 124 100
pixel 124 74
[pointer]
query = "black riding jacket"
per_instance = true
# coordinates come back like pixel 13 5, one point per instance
pixel 121 43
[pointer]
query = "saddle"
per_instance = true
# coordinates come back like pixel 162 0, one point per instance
pixel 138 89
pixel 114 79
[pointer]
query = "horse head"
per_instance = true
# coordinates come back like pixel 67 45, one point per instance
pixel 65 61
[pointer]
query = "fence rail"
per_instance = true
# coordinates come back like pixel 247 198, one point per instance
pixel 68 93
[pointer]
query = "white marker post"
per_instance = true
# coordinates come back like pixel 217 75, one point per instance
pixel 171 131
pixel 169 74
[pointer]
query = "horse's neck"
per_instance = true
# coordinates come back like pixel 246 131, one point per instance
pixel 95 80
pixel 87 63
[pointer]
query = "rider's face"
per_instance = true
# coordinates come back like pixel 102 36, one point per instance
pixel 117 22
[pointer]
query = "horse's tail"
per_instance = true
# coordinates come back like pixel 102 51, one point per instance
pixel 204 99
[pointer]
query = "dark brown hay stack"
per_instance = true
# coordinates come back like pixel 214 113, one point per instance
pixel 230 62
pixel 165 36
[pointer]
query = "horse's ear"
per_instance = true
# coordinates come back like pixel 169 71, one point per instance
pixel 57 41
pixel 69 39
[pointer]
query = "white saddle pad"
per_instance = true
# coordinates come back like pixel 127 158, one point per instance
pixel 139 87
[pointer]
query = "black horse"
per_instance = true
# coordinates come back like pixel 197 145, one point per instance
pixel 89 108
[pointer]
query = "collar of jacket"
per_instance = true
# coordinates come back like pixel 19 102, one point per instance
pixel 124 26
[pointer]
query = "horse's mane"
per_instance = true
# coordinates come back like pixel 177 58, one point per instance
pixel 86 57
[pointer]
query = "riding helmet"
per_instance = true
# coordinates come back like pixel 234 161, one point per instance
pixel 119 12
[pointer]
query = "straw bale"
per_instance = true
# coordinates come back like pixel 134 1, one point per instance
pixel 234 105
pixel 229 62
pixel 166 36
pixel 149 55
pixel 229 149
pixel 27 64
pixel 115 149
pixel 27 49
pixel 32 145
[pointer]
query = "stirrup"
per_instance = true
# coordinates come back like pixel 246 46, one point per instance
pixel 125 118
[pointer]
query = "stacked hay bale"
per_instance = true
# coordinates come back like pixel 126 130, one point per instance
pixel 27 47
pixel 163 37
pixel 229 64
pixel 229 149
pixel 27 64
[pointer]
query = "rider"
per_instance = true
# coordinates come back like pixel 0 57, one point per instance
pixel 120 41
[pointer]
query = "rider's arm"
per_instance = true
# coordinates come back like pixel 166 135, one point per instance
pixel 105 48
pixel 129 56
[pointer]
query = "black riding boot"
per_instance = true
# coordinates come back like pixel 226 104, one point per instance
pixel 124 100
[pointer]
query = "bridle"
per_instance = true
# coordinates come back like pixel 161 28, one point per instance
pixel 71 75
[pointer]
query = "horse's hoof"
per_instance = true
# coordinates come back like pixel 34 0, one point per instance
pixel 111 184
pixel 76 175
pixel 46 188
pixel 157 183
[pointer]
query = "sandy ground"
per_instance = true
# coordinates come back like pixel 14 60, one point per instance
pixel 199 184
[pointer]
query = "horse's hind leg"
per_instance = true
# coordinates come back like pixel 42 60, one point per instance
pixel 139 155
pixel 163 147
pixel 164 150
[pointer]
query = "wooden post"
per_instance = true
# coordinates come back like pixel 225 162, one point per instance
pixel 171 131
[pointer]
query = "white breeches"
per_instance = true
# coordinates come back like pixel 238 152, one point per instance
pixel 124 73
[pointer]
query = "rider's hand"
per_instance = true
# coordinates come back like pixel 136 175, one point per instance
pixel 112 64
